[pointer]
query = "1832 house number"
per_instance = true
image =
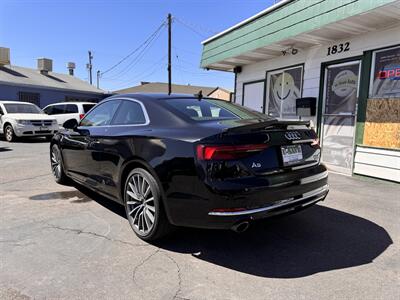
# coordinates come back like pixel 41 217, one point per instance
pixel 339 48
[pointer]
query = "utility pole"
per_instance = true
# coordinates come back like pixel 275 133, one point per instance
pixel 98 78
pixel 89 66
pixel 169 55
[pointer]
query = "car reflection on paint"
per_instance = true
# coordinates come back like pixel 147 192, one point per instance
pixel 338 150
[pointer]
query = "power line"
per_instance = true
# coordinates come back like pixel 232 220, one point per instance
pixel 153 68
pixel 135 50
pixel 137 58
pixel 195 28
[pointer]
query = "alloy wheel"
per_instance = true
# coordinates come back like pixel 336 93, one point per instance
pixel 9 133
pixel 140 204
pixel 56 163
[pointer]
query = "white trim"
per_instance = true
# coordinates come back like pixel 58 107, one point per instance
pixel 248 20
pixel 382 151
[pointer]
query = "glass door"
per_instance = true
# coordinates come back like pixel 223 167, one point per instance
pixel 341 87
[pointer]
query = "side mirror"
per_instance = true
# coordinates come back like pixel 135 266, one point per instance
pixel 70 124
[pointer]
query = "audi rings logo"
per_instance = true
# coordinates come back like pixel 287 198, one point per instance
pixel 292 135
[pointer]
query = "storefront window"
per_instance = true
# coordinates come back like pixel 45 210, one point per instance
pixel 385 74
pixel 284 87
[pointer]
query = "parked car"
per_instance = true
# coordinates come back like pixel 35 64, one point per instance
pixel 23 119
pixel 190 161
pixel 66 111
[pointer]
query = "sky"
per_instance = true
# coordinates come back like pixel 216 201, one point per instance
pixel 65 30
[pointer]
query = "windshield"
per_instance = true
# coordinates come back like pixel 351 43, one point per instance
pixel 211 109
pixel 22 108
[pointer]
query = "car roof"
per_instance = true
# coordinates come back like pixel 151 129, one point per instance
pixel 157 96
pixel 61 103
pixel 14 102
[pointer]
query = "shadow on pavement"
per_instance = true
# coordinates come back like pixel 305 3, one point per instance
pixel 73 196
pixel 32 140
pixel 315 240
pixel 5 149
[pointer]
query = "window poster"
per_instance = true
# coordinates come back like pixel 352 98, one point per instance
pixel 284 88
pixel 341 89
pixel 341 86
pixel 385 74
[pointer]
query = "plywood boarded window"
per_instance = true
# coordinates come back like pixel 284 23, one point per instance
pixel 382 125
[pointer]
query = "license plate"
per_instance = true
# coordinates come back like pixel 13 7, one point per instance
pixel 43 128
pixel 291 154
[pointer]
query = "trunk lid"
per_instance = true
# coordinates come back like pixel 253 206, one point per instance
pixel 237 150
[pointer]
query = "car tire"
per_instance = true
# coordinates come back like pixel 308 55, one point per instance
pixel 143 205
pixel 71 120
pixel 9 133
pixel 57 167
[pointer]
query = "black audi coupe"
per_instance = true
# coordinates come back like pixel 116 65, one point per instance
pixel 190 161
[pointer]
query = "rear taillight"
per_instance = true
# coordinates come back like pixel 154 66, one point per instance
pixel 81 116
pixel 224 152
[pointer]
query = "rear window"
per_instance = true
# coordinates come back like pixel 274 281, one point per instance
pixel 87 107
pixel 210 109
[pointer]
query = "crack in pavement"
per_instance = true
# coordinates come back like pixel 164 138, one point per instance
pixel 79 231
pixel 23 179
pixel 179 277
pixel 144 261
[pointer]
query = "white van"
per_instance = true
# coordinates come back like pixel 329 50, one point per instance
pixel 65 111
pixel 23 119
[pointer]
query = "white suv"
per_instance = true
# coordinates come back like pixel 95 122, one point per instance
pixel 66 111
pixel 19 119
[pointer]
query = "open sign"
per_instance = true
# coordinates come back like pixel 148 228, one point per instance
pixel 384 74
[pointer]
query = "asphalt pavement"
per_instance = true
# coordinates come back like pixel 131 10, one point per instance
pixel 66 242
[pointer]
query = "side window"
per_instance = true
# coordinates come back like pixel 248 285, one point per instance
pixel 48 110
pixel 102 114
pixel 58 109
pixel 130 113
pixel 87 107
pixel 1 111
pixel 71 109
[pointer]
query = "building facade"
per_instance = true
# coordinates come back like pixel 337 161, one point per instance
pixel 42 86
pixel 336 63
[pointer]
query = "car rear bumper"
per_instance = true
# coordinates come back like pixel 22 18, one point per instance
pixel 224 209
pixel 304 199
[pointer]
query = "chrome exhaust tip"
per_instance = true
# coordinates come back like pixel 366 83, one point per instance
pixel 241 227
